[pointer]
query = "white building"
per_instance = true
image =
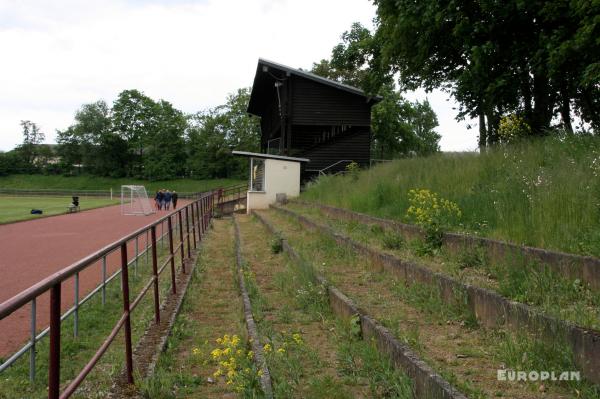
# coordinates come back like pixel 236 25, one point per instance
pixel 271 175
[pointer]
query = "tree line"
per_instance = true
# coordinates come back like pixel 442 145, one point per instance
pixel 142 138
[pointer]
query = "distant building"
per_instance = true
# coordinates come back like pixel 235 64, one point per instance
pixel 305 115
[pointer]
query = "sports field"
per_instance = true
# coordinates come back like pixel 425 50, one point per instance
pixel 13 209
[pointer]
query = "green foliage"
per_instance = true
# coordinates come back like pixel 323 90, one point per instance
pixel 213 134
pixel 400 128
pixel 471 258
pixel 276 245
pixel 165 156
pixel 352 170
pixel 512 127
pixel 495 58
pixel 32 138
pixel 432 213
pixel 361 360
pixel 392 240
pixel 147 139
pixel 541 193
pixel 355 329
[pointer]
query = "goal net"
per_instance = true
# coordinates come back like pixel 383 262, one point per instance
pixel 134 201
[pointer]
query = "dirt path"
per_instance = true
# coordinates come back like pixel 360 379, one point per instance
pixel 464 355
pixel 33 250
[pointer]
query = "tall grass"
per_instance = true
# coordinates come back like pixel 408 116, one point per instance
pixel 543 192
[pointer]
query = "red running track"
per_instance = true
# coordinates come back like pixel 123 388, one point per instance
pixel 33 250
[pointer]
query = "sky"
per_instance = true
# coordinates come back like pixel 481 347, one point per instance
pixel 60 54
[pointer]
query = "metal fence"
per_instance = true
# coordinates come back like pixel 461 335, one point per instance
pixel 190 221
pixel 95 193
pixel 56 193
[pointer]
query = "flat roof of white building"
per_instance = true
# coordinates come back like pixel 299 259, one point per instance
pixel 269 156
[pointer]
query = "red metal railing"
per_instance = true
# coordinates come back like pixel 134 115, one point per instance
pixel 197 217
pixel 229 194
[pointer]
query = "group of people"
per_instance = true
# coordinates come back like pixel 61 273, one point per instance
pixel 164 198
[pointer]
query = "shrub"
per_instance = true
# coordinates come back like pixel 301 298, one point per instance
pixel 513 127
pixel 353 170
pixel 432 213
pixel 276 245
pixel 392 240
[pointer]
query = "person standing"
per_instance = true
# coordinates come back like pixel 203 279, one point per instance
pixel 174 198
pixel 167 199
pixel 158 200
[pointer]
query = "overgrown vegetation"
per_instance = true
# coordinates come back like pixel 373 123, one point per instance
pixel 514 277
pixel 446 335
pixel 309 352
pixel 541 193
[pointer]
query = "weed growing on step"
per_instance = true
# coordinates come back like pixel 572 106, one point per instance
pixel 429 299
pixel 234 364
pixel 392 240
pixel 540 286
pixel 276 245
pixel 360 360
pixel 523 352
pixel 472 258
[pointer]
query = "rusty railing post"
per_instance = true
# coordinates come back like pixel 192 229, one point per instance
pixel 125 281
pixel 202 211
pixel 54 360
pixel 199 221
pixel 187 231
pixel 181 241
pixel 171 254
pixel 192 206
pixel 155 273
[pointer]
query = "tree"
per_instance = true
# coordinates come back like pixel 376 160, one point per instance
pixel 165 157
pixel 134 119
pixel 91 143
pixel 400 128
pixel 213 134
pixel 533 58
pixel 32 138
pixel 423 121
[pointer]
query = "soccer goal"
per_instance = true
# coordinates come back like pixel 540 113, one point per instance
pixel 134 201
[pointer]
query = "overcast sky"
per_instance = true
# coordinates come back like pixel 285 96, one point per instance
pixel 60 54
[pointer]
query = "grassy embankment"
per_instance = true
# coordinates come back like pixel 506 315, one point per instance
pixel 544 193
pixel 87 182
